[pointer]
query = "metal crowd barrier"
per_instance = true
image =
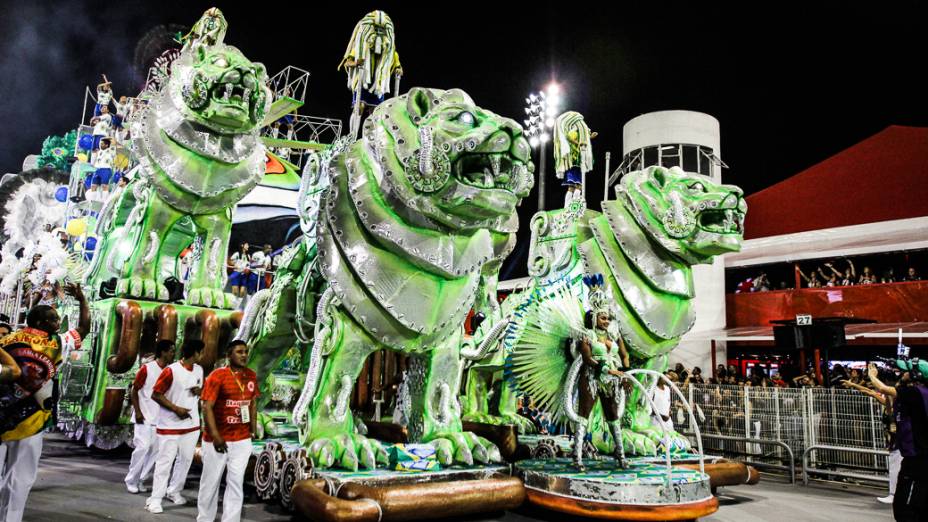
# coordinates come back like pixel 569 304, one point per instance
pixel 769 427
pixel 807 470
pixel 791 467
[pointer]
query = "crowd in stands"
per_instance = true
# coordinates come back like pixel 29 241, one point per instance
pixel 837 376
pixel 892 268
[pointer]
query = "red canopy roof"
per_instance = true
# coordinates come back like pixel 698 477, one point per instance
pixel 882 178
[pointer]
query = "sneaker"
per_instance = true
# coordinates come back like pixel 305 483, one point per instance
pixel 885 500
pixel 177 498
pixel 132 488
pixel 154 507
pixel 142 488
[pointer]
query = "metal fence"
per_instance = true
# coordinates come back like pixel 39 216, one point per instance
pixel 846 422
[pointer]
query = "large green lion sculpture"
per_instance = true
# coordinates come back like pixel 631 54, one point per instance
pixel 644 243
pixel 199 153
pixel 406 231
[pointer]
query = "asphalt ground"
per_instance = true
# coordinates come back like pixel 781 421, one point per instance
pixel 80 484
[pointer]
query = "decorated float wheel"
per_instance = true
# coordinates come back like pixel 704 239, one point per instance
pixel 107 437
pixel 267 470
pixel 546 449
pixel 296 468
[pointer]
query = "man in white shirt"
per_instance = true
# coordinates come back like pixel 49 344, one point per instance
pixel 177 391
pixel 661 395
pixel 104 96
pixel 102 126
pixel 145 416
pixel 261 263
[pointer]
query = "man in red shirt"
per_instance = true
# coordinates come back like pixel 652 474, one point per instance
pixel 229 410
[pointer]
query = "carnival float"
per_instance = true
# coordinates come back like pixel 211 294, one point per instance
pixel 390 371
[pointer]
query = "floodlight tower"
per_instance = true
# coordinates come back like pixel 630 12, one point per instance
pixel 541 110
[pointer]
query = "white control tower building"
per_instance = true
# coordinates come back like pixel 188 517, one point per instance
pixel 689 140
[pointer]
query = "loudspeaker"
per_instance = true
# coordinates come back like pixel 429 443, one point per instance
pixel 792 336
pixel 829 335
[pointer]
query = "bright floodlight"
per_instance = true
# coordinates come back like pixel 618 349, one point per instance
pixel 549 123
pixel 553 89
pixel 533 141
pixel 544 137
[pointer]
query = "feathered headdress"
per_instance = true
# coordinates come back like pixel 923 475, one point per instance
pixel 599 298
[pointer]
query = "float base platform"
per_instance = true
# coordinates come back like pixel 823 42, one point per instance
pixel 640 492
pixel 397 495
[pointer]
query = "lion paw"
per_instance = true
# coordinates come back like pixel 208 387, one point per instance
pixel 524 424
pixel 141 287
pixel 210 298
pixel 521 423
pixel 348 451
pixel 638 444
pixel 464 447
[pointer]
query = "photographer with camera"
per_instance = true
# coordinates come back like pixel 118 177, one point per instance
pixel 911 412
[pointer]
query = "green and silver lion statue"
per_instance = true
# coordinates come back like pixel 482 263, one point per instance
pixel 644 243
pixel 199 154
pixel 404 233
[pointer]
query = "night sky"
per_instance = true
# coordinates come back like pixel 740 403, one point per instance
pixel 790 84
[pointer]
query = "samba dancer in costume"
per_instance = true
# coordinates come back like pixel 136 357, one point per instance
pixel 568 382
pixel 605 360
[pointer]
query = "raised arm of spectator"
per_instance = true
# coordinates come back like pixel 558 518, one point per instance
pixel 822 273
pixel 83 322
pixel 850 265
pixel 878 396
pixel 833 270
pixel 877 383
pixel 804 276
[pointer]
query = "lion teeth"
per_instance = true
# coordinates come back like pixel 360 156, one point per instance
pixel 494 162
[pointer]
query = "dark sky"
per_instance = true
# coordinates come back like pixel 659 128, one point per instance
pixel 790 83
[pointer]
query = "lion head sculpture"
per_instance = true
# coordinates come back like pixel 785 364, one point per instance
pixel 690 215
pixel 217 87
pixel 445 158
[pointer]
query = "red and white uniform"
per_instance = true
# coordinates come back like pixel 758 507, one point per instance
pixel 176 437
pixel 143 456
pixel 232 393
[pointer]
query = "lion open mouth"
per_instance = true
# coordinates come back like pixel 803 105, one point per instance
pixel 233 95
pixel 485 170
pixel 722 221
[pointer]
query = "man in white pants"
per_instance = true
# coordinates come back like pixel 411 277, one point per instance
pixel 229 411
pixel 145 415
pixel 27 402
pixel 177 391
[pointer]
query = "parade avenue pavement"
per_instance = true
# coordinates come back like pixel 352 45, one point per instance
pixel 79 484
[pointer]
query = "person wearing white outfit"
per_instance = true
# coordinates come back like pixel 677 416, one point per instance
pixel 145 415
pixel 229 411
pixel 177 391
pixel 661 397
